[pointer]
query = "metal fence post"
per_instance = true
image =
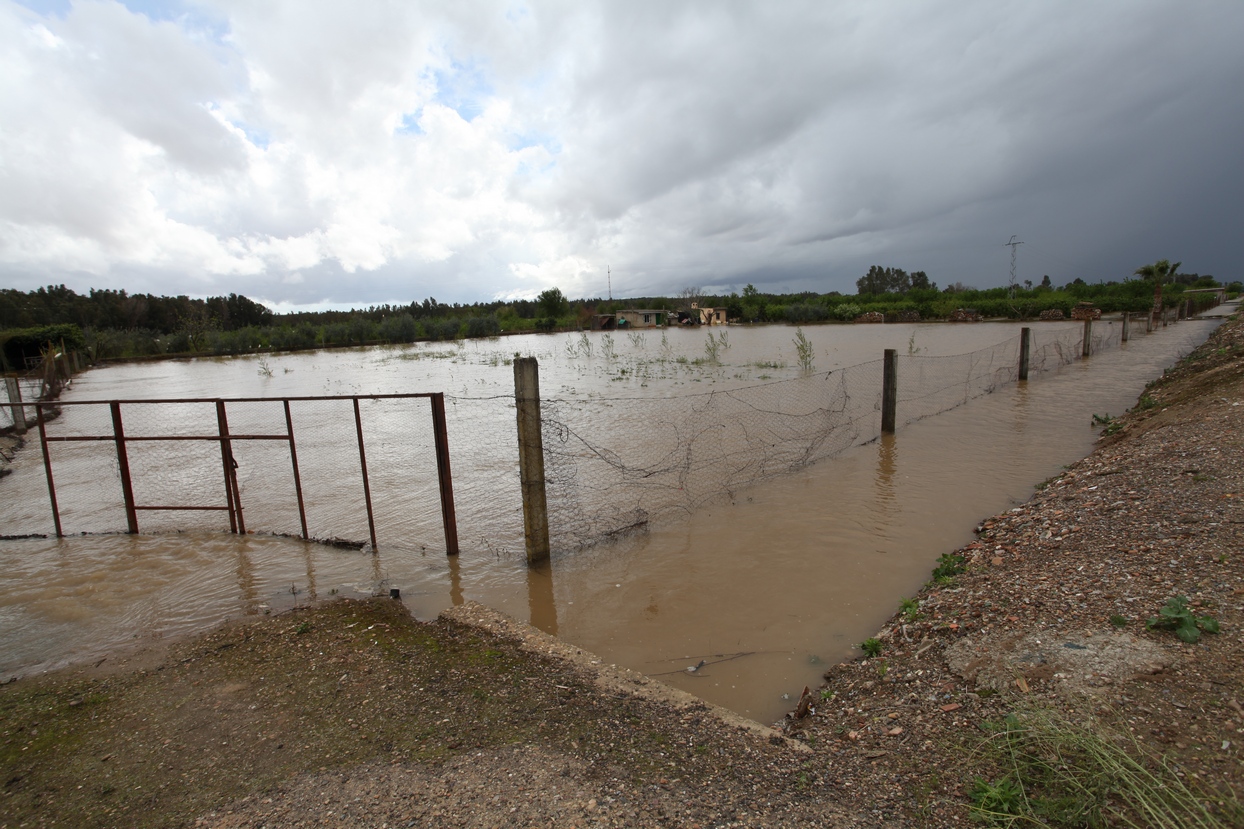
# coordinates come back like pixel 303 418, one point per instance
pixel 889 391
pixel 531 458
pixel 232 495
pixel 1087 347
pixel 293 457
pixel 123 461
pixel 371 518
pixel 47 468
pixel 1127 321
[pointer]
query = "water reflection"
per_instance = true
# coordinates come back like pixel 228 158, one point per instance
pixel 310 563
pixel 248 598
pixel 455 581
pixel 540 601
pixel 887 462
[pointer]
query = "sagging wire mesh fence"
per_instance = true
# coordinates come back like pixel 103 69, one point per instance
pixel 615 465
pixel 612 463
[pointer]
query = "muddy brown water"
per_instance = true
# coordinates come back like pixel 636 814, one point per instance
pixel 766 585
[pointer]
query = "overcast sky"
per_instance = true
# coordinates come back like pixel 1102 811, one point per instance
pixel 334 154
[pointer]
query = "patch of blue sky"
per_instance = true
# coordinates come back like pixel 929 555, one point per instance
pixel 523 140
pixel 188 16
pixel 257 137
pixel 47 8
pixel 463 88
pixel 410 123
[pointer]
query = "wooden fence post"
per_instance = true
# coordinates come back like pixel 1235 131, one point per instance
pixel 1025 339
pixel 449 517
pixel 1087 347
pixel 531 458
pixel 15 405
pixel 889 391
pixel 1127 319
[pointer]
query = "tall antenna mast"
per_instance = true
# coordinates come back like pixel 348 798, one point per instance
pixel 1014 246
pixel 609 277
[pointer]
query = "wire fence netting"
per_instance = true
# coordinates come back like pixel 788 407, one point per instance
pixel 28 390
pixel 612 464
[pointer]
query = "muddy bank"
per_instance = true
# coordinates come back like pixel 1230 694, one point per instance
pixel 354 713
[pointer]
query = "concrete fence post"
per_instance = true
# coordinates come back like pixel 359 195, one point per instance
pixel 531 458
pixel 15 404
pixel 1127 319
pixel 1087 347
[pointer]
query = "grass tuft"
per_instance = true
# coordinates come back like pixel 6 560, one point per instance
pixel 1051 772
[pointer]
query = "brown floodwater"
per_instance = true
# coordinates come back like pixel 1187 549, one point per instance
pixel 767 580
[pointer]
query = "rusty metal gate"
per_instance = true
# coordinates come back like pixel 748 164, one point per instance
pixel 231 493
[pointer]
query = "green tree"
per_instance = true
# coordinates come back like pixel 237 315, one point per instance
pixel 1159 272
pixel 881 280
pixel 553 303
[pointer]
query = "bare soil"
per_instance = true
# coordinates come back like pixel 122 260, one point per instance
pixel 353 713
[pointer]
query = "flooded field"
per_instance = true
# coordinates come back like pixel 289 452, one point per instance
pixel 764 570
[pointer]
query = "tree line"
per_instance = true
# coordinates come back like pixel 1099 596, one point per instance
pixel 115 324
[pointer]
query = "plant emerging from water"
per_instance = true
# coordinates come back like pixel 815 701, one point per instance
pixel 265 370
pixel 607 347
pixel 713 346
pixel 804 349
pixel 637 339
pixel 948 566
pixel 871 647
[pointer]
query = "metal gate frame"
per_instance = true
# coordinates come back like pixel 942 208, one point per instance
pixel 233 501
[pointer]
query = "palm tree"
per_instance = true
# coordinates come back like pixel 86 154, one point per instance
pixel 1160 272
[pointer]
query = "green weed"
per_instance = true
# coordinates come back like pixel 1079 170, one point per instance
pixel 1118 621
pixel 948 566
pixel 910 608
pixel 1177 616
pixel 871 646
